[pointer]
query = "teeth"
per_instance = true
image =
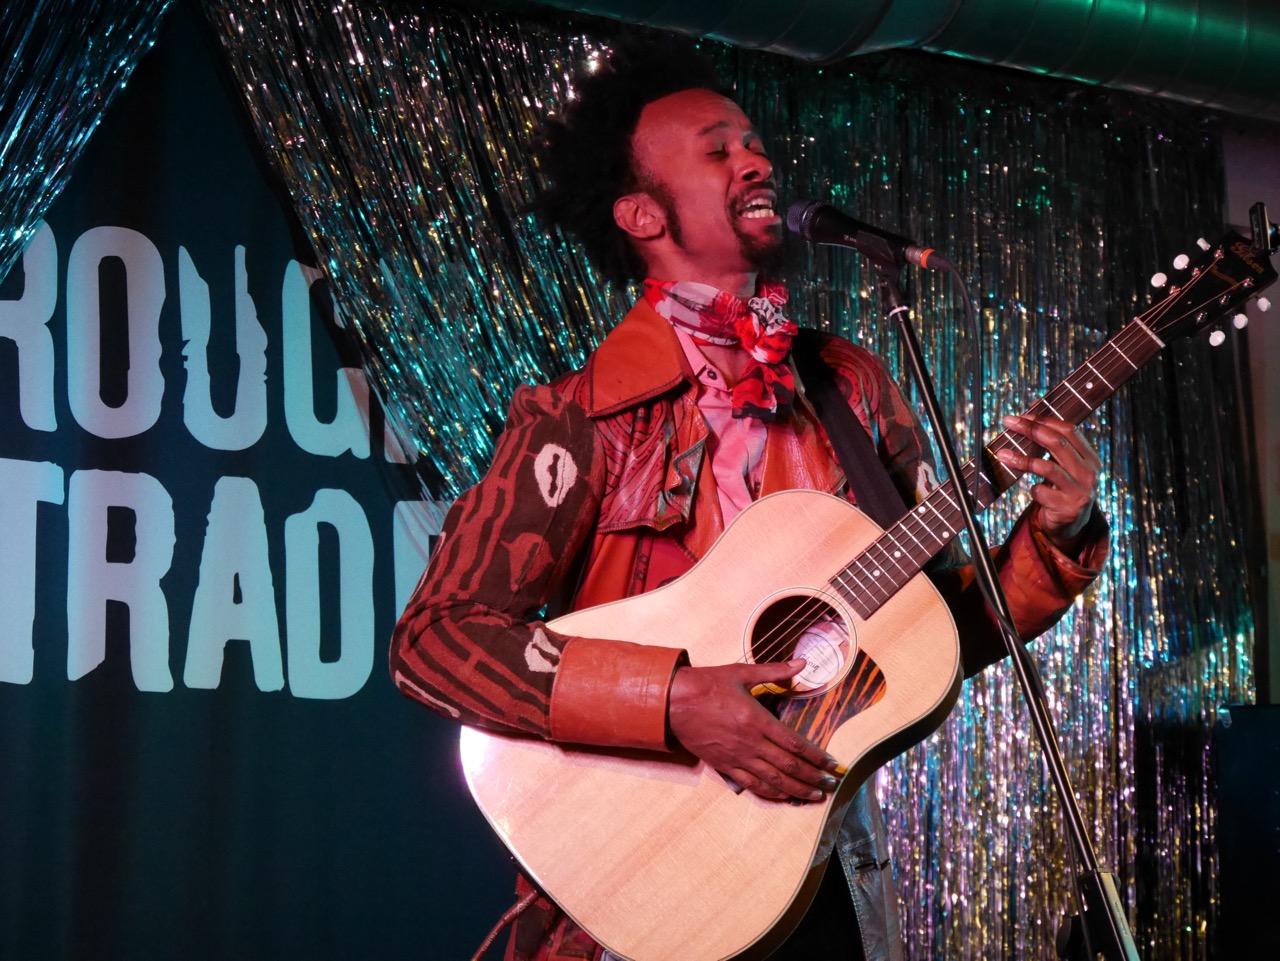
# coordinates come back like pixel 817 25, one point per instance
pixel 758 209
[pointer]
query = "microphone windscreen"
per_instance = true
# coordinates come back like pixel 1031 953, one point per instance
pixel 800 216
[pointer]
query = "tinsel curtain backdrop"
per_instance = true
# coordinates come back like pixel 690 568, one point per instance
pixel 64 62
pixel 402 137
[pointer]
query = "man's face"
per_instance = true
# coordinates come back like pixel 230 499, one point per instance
pixel 699 158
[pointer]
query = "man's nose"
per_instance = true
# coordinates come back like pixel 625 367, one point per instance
pixel 755 167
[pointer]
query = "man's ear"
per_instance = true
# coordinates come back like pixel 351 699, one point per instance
pixel 639 216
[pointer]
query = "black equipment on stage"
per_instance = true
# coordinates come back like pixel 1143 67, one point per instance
pixel 1246 761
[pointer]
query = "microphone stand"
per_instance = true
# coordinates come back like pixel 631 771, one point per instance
pixel 1100 930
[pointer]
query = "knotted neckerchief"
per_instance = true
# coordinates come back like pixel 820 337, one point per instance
pixel 715 316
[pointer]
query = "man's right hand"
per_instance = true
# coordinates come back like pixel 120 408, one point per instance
pixel 713 715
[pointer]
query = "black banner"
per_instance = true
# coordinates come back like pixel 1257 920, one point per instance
pixel 207 536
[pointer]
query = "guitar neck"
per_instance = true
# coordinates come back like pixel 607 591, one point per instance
pixel 902 550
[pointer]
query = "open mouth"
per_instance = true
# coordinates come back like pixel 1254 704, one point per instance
pixel 759 207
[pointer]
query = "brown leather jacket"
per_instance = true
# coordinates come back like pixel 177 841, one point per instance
pixel 599 490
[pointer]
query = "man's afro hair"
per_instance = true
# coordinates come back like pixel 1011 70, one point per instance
pixel 584 152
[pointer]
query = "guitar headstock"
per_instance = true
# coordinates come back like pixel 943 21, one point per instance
pixel 1216 282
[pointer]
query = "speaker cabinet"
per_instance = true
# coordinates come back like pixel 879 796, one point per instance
pixel 1246 754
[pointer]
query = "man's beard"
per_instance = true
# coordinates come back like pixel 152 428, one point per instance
pixel 765 255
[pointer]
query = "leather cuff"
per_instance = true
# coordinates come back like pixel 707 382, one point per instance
pixel 1091 554
pixel 613 693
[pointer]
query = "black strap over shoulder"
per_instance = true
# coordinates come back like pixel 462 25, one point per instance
pixel 872 487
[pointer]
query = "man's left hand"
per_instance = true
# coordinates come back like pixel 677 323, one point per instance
pixel 1070 475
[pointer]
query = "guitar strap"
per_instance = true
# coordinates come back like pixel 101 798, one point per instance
pixel 879 499
pixel 872 487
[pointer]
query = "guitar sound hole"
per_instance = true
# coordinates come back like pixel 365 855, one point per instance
pixel 803 626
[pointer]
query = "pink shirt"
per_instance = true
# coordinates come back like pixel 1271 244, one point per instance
pixel 735 446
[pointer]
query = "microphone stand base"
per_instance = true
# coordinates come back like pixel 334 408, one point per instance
pixel 1104 930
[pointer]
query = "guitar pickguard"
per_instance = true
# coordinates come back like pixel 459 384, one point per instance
pixel 817 718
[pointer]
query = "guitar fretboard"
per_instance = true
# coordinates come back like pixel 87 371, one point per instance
pixel 901 552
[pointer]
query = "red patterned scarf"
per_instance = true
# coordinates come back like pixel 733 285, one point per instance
pixel 714 316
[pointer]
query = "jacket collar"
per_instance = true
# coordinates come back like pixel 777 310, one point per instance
pixel 638 360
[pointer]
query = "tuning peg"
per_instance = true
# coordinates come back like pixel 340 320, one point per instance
pixel 1263 304
pixel 1216 338
pixel 1159 279
pixel 1203 244
pixel 1241 321
pixel 1180 262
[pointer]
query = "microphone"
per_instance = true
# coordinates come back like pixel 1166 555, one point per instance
pixel 821 223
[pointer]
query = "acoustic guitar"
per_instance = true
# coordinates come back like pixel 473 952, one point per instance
pixel 658 856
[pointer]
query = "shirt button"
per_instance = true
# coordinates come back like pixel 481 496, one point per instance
pixel 711 374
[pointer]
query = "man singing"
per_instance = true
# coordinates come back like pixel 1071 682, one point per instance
pixel 618 477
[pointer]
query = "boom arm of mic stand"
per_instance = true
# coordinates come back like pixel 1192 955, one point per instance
pixel 1104 930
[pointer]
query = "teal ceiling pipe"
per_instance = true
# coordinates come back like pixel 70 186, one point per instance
pixel 1216 53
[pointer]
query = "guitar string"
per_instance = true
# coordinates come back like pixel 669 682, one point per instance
pixel 1059 400
pixel 787 633
pixel 1055 399
pixel 878 556
pixel 1005 439
pixel 782 638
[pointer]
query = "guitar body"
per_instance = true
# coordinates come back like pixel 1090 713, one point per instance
pixel 656 855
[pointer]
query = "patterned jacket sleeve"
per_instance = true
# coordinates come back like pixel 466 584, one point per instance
pixel 467 644
pixel 1040 580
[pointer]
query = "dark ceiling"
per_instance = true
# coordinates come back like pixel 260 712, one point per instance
pixel 1223 54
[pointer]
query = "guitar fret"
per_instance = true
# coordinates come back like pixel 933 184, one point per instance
pixel 876 554
pixel 914 538
pixel 892 572
pixel 951 501
pixel 868 581
pixel 924 549
pixel 1100 377
pixel 895 570
pixel 848 588
pixel 893 557
pixel 873 580
pixel 928 503
pixel 851 596
pixel 1148 331
pixel 1077 393
pixel 1014 443
pixel 987 489
pixel 883 583
pixel 1126 357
